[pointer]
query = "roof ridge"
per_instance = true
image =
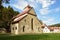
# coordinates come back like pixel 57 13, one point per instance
pixel 26 10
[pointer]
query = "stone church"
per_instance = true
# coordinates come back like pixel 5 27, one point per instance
pixel 26 22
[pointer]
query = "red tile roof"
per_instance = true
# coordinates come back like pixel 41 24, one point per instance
pixel 50 28
pixel 21 15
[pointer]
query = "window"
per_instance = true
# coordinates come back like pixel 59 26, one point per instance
pixel 23 28
pixel 15 28
pixel 32 23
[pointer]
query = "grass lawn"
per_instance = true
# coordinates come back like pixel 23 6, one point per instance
pixel 52 36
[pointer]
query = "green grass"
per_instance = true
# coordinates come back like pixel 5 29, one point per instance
pixel 52 36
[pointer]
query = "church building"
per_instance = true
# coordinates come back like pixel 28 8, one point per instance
pixel 26 22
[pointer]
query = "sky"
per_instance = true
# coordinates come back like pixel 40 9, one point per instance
pixel 46 10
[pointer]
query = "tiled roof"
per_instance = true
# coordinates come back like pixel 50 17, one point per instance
pixel 51 28
pixel 21 15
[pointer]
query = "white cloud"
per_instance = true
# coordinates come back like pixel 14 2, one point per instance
pixel 48 21
pixel 46 3
pixel 44 17
pixel 32 3
pixel 44 11
pixel 20 4
pixel 57 9
pixel 31 0
pixel 45 6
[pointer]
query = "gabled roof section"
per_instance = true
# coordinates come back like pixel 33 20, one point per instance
pixel 21 15
pixel 27 10
pixel 32 11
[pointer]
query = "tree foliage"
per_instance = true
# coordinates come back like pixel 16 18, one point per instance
pixel 6 14
pixel 55 25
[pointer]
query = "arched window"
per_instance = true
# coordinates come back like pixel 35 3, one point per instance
pixel 23 28
pixel 32 23
pixel 15 28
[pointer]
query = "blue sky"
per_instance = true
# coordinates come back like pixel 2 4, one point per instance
pixel 47 10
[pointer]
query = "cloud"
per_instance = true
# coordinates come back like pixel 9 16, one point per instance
pixel 20 4
pixel 46 3
pixel 48 21
pixel 32 3
pixel 45 6
pixel 47 10
pixel 44 11
pixel 57 9
pixel 44 17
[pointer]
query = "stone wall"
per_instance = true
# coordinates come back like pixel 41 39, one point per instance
pixel 25 25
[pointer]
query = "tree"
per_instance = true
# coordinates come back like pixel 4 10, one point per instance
pixel 3 1
pixel 6 14
pixel 55 25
